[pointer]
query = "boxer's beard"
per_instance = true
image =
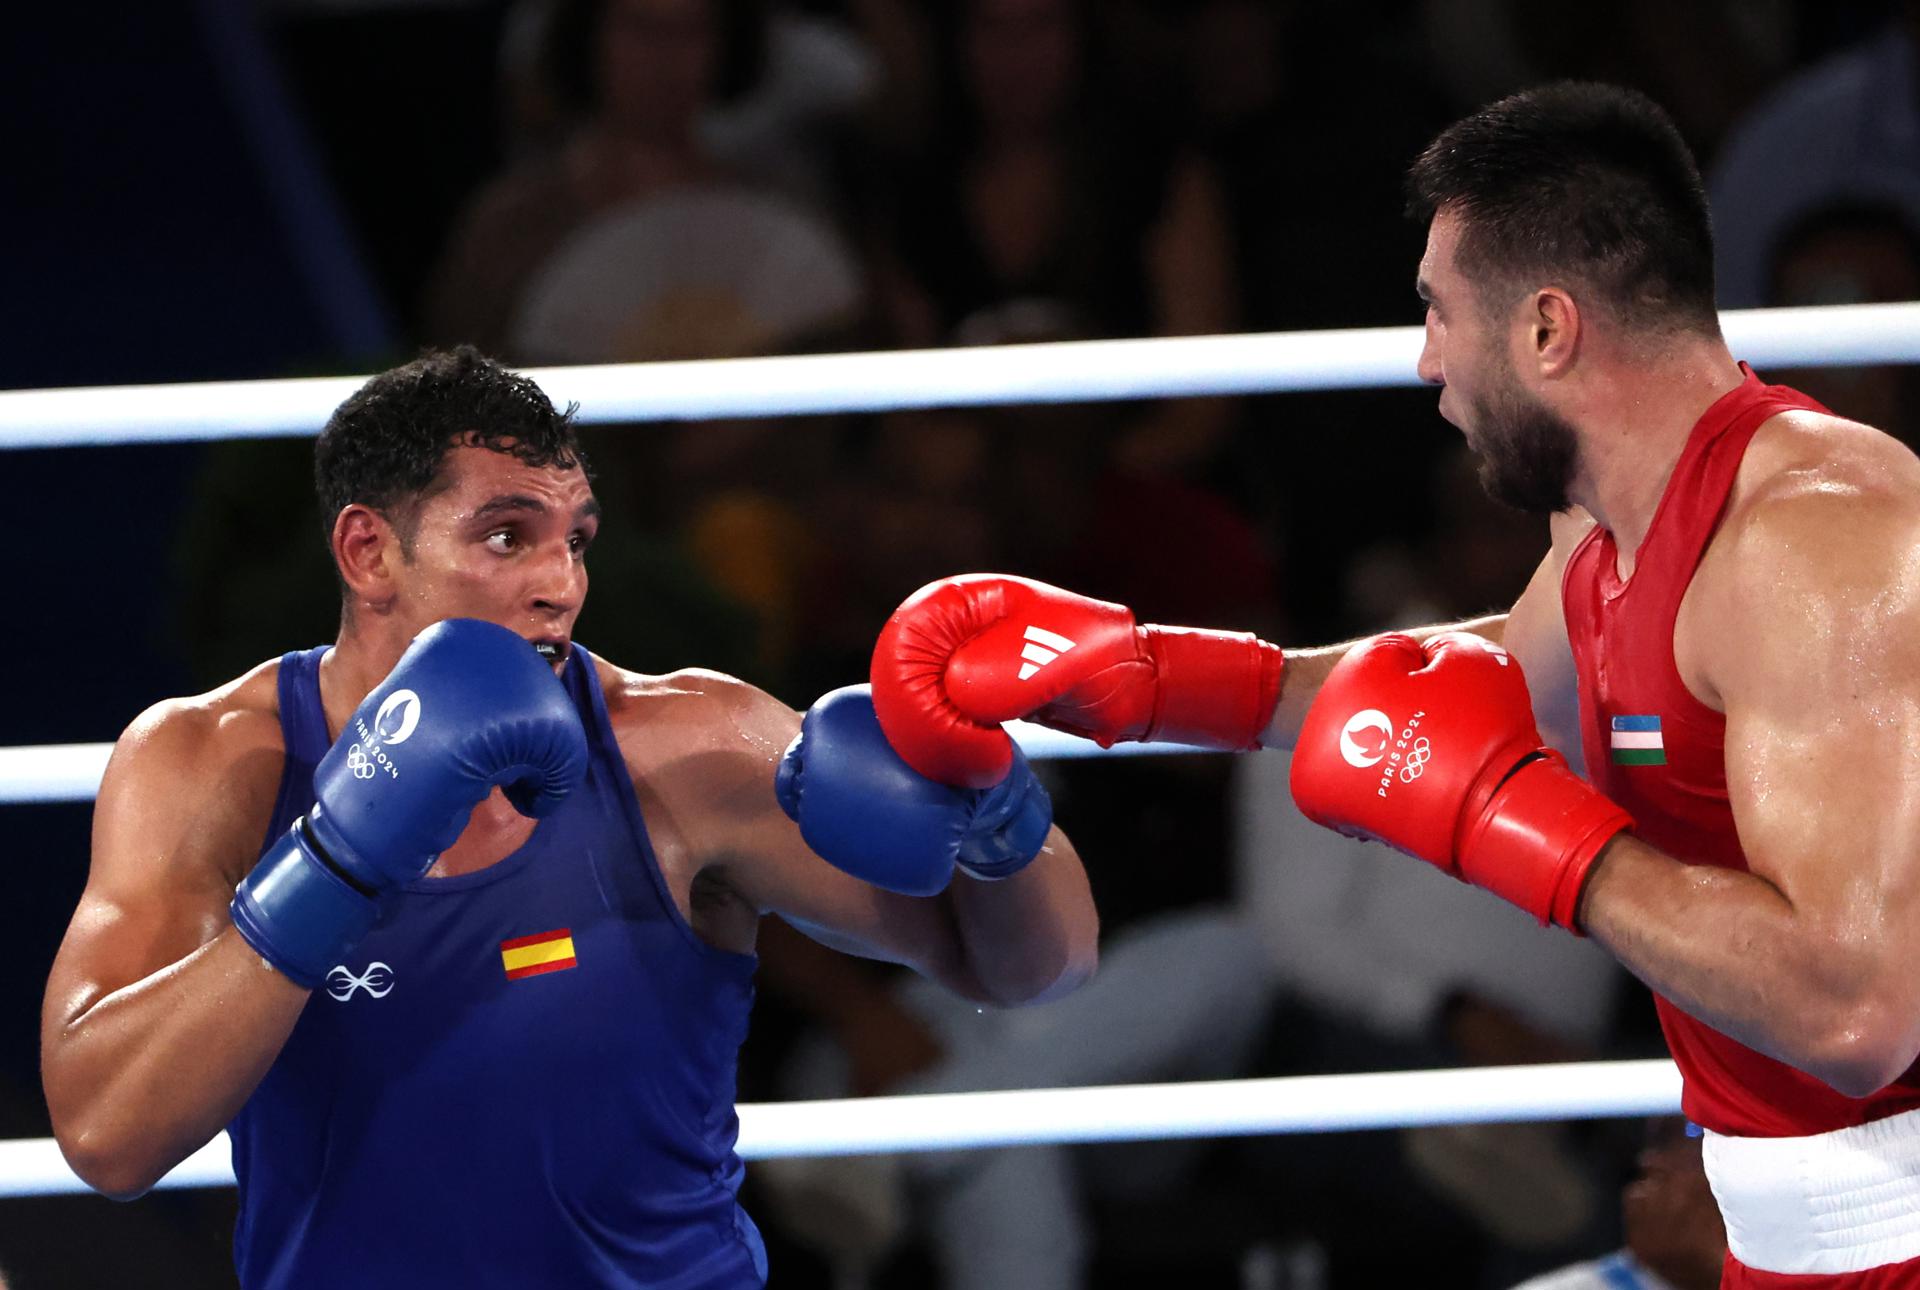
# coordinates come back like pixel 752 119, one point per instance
pixel 1528 453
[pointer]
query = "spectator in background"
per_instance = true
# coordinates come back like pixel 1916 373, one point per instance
pixel 1384 974
pixel 1846 129
pixel 1034 190
pixel 913 494
pixel 1309 150
pixel 1037 205
pixel 634 76
pixel 1178 997
pixel 1675 1239
pixel 815 73
pixel 1706 61
pixel 1379 972
pixel 1472 557
pixel 645 233
pixel 1850 253
pixel 674 218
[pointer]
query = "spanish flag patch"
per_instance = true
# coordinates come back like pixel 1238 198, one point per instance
pixel 534 955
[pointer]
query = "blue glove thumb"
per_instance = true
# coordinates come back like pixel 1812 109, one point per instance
pixel 1011 821
pixel 864 810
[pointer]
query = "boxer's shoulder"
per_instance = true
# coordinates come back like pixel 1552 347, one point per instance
pixel 205 767
pixel 671 720
pixel 1814 548
pixel 1817 494
pixel 1804 461
pixel 223 728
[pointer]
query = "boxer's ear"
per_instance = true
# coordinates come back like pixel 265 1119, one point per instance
pixel 1555 328
pixel 367 550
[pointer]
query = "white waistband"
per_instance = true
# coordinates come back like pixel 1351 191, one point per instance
pixel 1829 1203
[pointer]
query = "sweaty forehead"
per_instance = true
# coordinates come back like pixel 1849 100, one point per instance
pixel 1443 241
pixel 470 474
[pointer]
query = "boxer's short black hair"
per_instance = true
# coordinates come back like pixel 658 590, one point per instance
pixel 1588 185
pixel 383 448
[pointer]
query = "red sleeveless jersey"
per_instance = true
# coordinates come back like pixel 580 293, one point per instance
pixel 1657 750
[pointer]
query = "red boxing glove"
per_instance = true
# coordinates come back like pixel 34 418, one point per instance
pixel 962 655
pixel 1432 749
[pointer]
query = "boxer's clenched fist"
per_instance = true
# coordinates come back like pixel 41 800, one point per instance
pixel 861 808
pixel 469 706
pixel 1431 748
pixel 965 654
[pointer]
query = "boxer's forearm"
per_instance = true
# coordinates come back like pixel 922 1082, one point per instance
pixel 144 1076
pixel 1730 949
pixel 1031 937
pixel 1307 669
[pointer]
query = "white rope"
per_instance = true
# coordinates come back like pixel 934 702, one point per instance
pixel 35 1167
pixel 1078 371
pixel 1119 1113
pixel 1223 1108
pixel 52 772
pixel 71 772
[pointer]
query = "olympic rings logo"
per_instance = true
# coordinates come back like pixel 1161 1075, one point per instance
pixel 1417 758
pixel 359 763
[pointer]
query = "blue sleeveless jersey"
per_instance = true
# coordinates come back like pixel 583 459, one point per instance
pixel 523 1077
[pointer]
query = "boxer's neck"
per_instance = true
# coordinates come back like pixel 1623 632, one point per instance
pixel 359 660
pixel 1633 422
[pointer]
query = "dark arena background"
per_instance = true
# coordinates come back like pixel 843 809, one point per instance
pixel 224 191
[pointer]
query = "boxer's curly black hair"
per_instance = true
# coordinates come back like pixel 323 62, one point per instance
pixel 384 446
pixel 1587 183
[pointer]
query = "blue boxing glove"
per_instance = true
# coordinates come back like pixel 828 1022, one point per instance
pixel 864 810
pixel 469 706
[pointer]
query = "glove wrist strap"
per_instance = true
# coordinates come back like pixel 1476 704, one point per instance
pixel 1213 689
pixel 1010 825
pixel 298 911
pixel 1537 839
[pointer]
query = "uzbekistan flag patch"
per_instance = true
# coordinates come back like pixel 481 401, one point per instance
pixel 1636 742
pixel 538 954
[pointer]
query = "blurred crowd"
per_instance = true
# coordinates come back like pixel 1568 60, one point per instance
pixel 673 179
pixel 589 181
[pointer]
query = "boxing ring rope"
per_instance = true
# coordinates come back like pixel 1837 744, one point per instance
pixel 1115 1113
pixel 1084 371
pixel 1068 371
pixel 71 772
pixel 1061 372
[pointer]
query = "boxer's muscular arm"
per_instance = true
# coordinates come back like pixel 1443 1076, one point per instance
pixel 159 1019
pixel 1021 940
pixel 1812 648
pixel 1027 938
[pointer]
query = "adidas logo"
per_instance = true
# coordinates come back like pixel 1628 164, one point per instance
pixel 1042 648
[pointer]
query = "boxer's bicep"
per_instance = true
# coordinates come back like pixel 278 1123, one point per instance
pixel 746 842
pixel 179 816
pixel 1814 654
